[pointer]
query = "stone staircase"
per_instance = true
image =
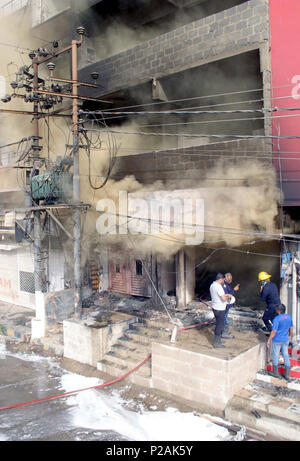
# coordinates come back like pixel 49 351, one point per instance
pixel 295 364
pixel 268 405
pixel 132 348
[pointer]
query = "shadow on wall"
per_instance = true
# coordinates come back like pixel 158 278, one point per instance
pixel 243 267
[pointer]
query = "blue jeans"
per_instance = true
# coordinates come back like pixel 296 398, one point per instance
pixel 284 350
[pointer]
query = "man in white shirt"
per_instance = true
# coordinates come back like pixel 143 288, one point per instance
pixel 219 303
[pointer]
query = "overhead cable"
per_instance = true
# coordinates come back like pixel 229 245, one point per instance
pixel 217 136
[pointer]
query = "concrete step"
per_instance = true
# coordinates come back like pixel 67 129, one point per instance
pixel 264 376
pixel 142 338
pixel 129 362
pixel 149 331
pixel 117 370
pixel 155 324
pixel 129 344
pixel 294 372
pixel 295 362
pixel 134 351
pixel 264 406
pixel 112 370
pixel 294 351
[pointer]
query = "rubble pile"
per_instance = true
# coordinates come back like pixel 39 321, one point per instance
pixel 100 305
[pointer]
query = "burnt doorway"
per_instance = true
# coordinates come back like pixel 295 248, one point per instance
pixel 130 274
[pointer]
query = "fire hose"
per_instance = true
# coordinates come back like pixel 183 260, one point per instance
pixel 99 386
pixel 32 402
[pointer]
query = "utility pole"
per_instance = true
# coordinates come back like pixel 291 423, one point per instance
pixel 50 97
pixel 76 189
pixel 38 271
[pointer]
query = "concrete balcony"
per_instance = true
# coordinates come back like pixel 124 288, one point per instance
pixel 12 6
pixel 45 10
pixel 236 30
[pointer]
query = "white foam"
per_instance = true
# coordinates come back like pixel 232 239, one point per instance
pixel 99 410
pixel 3 351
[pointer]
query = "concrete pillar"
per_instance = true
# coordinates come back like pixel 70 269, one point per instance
pixel 190 275
pixel 185 277
pixel 104 263
pixel 180 279
pixel 38 325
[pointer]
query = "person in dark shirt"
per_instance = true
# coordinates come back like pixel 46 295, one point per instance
pixel 269 294
pixel 280 338
pixel 229 290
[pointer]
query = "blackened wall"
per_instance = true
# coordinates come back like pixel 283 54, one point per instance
pixel 192 162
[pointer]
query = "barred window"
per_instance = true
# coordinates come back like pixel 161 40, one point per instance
pixel 27 282
pixel 139 267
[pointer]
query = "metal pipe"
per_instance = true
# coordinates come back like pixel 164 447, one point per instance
pixel 66 80
pixel 294 296
pixel 72 96
pixel 59 224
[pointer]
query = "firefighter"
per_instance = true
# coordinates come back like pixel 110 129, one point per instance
pixel 269 294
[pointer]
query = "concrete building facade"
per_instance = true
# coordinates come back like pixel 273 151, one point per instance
pixel 163 58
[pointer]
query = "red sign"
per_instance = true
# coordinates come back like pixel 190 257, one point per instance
pixel 285 58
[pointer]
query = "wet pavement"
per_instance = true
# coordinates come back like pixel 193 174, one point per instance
pixel 92 415
pixel 29 378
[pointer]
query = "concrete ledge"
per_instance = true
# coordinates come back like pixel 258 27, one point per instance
pixel 279 382
pixel 88 343
pixel 240 411
pixel 201 377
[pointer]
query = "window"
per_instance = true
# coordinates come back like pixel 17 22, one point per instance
pixel 139 267
pixel 27 282
pixel 117 268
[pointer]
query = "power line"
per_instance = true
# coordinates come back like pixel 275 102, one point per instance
pixel 215 229
pixel 202 135
pixel 206 97
pixel 219 121
pixel 182 112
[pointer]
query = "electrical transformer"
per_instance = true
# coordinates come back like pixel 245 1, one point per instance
pixel 52 187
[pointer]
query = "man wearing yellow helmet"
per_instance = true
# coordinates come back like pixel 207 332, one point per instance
pixel 269 294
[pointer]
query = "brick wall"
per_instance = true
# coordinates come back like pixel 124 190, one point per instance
pixel 192 162
pixel 220 35
pixel 204 379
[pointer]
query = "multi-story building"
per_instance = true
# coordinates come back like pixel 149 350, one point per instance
pixel 202 96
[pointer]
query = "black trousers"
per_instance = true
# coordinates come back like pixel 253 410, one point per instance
pixel 268 317
pixel 219 316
